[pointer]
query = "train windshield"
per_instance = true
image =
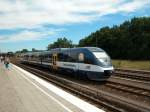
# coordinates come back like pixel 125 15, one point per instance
pixel 102 57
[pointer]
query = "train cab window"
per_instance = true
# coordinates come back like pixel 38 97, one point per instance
pixel 81 57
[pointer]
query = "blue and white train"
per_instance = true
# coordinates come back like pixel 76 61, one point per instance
pixel 91 62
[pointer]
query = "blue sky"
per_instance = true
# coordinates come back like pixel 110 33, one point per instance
pixel 36 23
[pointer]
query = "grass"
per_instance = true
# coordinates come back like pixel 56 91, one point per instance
pixel 129 64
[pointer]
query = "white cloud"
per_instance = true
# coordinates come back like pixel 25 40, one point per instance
pixel 27 35
pixel 32 14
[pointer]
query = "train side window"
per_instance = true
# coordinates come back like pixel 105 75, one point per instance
pixel 50 57
pixel 32 56
pixel 66 56
pixel 70 54
pixel 88 59
pixel 73 56
pixel 81 57
pixel 60 57
pixel 47 56
pixel 40 57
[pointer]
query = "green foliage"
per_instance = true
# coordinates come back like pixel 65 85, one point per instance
pixel 61 43
pixel 34 50
pixel 130 40
pixel 22 51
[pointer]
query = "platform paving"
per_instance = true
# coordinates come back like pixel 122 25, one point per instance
pixel 18 95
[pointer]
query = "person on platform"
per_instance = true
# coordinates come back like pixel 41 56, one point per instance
pixel 7 62
pixel 1 58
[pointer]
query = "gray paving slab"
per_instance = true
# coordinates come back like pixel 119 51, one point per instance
pixel 18 95
pixel 66 103
pixel 9 98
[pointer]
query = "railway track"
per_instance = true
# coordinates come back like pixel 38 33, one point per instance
pixel 134 71
pixel 133 74
pixel 110 101
pixel 129 89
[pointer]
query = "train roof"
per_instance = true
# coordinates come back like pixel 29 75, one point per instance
pixel 89 48
pixel 92 49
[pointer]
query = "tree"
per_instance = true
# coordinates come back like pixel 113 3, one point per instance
pixel 61 43
pixel 34 50
pixel 24 50
pixel 130 40
pixel 17 52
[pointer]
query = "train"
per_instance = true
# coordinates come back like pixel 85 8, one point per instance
pixel 90 62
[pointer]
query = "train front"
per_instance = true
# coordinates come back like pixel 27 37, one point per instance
pixel 103 65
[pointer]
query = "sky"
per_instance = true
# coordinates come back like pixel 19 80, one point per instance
pixel 36 23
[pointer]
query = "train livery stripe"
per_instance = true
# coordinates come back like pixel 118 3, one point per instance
pixel 76 66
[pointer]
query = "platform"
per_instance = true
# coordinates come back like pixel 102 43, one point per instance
pixel 21 91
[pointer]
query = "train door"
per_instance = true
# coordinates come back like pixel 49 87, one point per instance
pixel 54 61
